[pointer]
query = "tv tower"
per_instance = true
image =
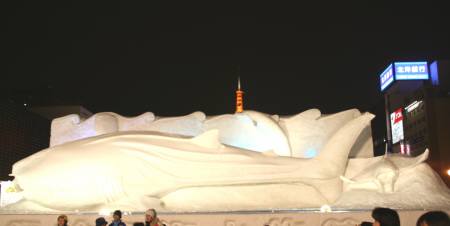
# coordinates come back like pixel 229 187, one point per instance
pixel 239 98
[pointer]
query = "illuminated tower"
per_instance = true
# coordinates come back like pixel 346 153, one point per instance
pixel 239 98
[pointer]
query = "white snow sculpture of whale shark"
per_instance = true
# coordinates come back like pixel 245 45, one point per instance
pixel 136 166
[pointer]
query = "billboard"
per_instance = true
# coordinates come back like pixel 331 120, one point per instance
pixel 397 126
pixel 411 70
pixel 387 77
pixel 404 71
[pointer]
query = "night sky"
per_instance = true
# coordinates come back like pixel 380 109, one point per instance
pixel 173 59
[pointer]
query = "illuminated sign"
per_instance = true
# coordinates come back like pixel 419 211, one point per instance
pixel 397 126
pixel 434 73
pixel 411 70
pixel 387 77
pixel 404 71
pixel 413 106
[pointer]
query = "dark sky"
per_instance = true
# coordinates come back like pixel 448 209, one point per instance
pixel 174 59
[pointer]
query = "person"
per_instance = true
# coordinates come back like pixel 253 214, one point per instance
pixel 365 223
pixel 101 221
pixel 151 218
pixel 433 218
pixel 385 217
pixel 62 220
pixel 117 219
pixel 138 224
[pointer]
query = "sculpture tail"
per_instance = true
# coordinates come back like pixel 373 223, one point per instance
pixel 335 153
pixel 332 160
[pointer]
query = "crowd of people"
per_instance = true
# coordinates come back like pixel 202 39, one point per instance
pixel 389 217
pixel 150 219
pixel 381 217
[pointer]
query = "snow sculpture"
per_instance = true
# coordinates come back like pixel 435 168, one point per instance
pixel 308 132
pixel 395 181
pixel 71 127
pixel 189 125
pixel 158 163
pixel 250 130
pixel 302 135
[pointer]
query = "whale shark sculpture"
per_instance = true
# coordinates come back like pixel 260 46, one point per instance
pixel 136 168
pixel 245 161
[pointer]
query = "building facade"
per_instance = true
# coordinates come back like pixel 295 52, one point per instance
pixel 417 111
pixel 22 133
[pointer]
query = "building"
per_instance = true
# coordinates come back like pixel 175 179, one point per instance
pixel 22 133
pixel 417 111
pixel 25 130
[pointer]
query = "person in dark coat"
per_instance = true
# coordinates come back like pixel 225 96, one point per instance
pixel 385 217
pixel 101 221
pixel 117 219
pixel 434 218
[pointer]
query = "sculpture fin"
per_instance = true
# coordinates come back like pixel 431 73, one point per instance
pixel 311 114
pixel 419 159
pixel 422 157
pixel 208 139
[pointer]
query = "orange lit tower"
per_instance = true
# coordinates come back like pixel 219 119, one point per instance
pixel 239 98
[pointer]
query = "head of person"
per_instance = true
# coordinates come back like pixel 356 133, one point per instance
pixel 433 218
pixel 366 223
pixel 150 215
pixel 385 217
pixel 117 215
pixel 101 221
pixel 62 220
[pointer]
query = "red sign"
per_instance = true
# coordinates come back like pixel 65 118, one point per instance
pixel 397 126
pixel 398 116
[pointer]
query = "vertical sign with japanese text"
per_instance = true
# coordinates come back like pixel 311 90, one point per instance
pixel 387 77
pixel 397 126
